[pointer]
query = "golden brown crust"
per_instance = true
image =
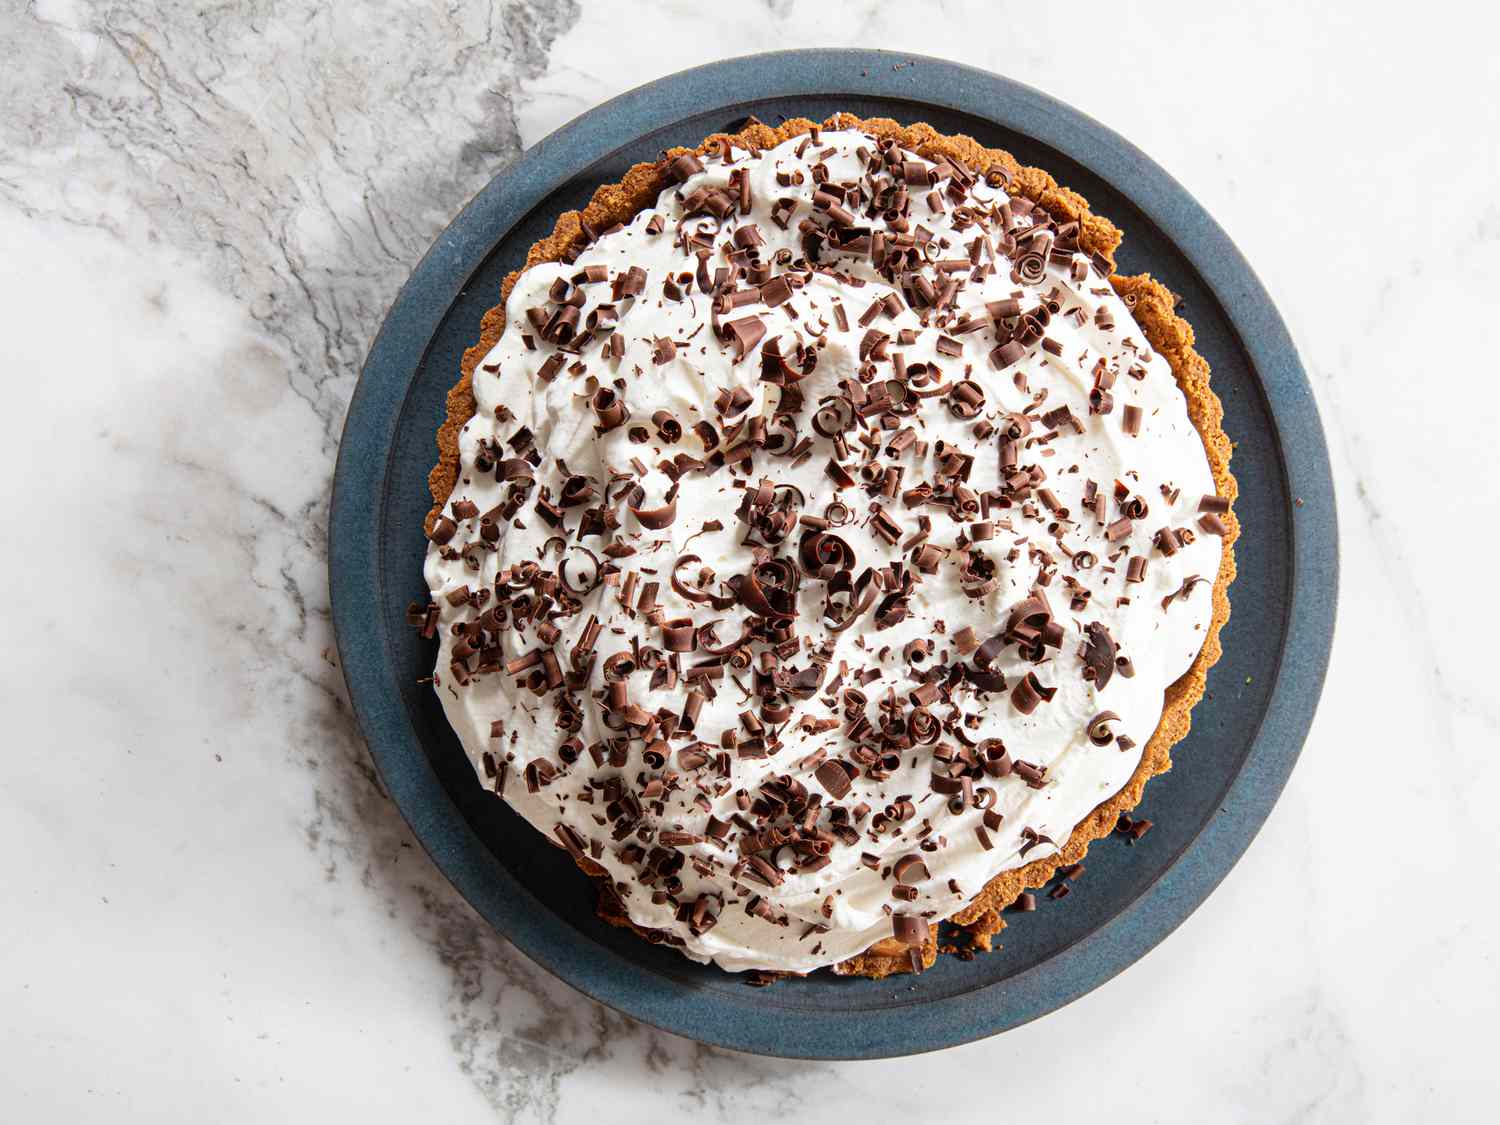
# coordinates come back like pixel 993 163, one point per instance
pixel 1152 304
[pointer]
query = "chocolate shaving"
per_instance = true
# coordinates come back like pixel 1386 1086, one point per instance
pixel 1182 591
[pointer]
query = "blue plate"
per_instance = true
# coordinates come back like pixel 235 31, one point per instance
pixel 1246 734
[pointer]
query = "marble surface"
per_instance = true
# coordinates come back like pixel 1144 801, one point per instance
pixel 208 909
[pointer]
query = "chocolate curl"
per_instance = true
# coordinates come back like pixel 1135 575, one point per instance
pixel 995 760
pixel 1214 503
pixel 679 635
pixel 1030 693
pixel 834 778
pixel 834 416
pixel 1007 354
pixel 1098 728
pixel 602 318
pixel 745 333
pixel 631 283
pixel 654 518
pixel 966 399
pixel 910 869
pixel 685 167
pixel 580 592
pixel 609 409
pixel 707 435
pixel 1030 268
pixel 823 553
pixel 690 709
pixel 1182 591
pixel 776 292
pixel 1211 523
pixel 861 592
pixel 910 929
pixel 769 589
pixel 515 468
pixel 562 326
pixel 668 428
pixel 1098 654
pixel 576 490
pixel 775 709
pixel 682 589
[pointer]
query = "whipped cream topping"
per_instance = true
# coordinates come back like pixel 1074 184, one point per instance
pixel 824 542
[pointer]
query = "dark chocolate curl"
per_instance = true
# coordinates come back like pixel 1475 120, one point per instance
pixel 1098 655
pixel 655 518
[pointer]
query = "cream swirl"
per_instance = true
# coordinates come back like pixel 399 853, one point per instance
pixel 818 550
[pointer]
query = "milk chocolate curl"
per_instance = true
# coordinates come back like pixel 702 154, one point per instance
pixel 550 367
pixel 776 292
pixel 690 709
pixel 834 778
pixel 966 399
pixel 1030 268
pixel 746 333
pixel 1007 354
pixel 609 408
pixel 1182 591
pixel 679 635
pixel 910 869
pixel 685 167
pixel 1216 504
pixel 562 326
pixel 1098 728
pixel 910 929
pixel 668 427
pixel 1029 693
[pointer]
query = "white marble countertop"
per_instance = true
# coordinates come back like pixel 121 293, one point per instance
pixel 208 911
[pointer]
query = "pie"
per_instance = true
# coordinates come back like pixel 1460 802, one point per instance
pixel 827 544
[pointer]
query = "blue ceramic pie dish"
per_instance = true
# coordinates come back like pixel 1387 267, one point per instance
pixel 1247 732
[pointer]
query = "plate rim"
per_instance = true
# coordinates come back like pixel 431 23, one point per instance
pixel 367 449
